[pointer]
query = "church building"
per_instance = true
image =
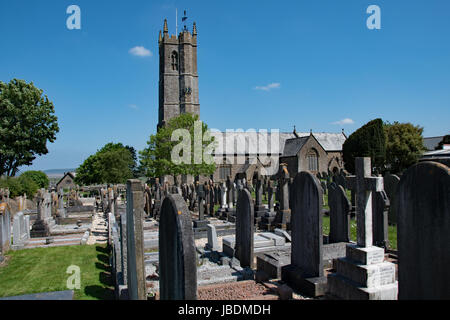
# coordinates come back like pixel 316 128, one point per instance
pixel 238 154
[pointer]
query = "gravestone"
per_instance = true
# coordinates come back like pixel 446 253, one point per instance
pixel 390 186
pixel 363 274
pixel 213 243
pixel 380 207
pixel 244 229
pixel 177 253
pixel 260 210
pixel 135 240
pixel 283 216
pixel 123 244
pixel 339 214
pixel 41 226
pixel 61 210
pixel 305 273
pixel 20 232
pixel 212 197
pixel 5 229
pixel 423 207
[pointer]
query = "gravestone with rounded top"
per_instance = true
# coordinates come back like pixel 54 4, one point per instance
pixel 305 273
pixel 339 214
pixel 423 207
pixel 177 255
pixel 390 186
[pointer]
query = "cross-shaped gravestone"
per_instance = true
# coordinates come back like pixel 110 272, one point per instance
pixel 364 184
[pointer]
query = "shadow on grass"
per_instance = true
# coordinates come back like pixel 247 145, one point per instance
pixel 105 250
pixel 102 266
pixel 103 258
pixel 99 292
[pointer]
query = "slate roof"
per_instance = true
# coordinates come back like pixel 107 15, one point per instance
pixel 432 142
pixel 246 143
pixel 437 154
pixel 71 174
pixel 293 146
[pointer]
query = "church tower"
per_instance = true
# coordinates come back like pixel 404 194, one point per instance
pixel 178 77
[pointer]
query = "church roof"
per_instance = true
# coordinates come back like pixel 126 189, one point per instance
pixel 293 146
pixel 253 143
pixel 431 143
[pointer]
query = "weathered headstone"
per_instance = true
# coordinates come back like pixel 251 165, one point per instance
pixel 339 214
pixel 213 243
pixel 135 240
pixel 244 229
pixel 380 207
pixel 5 228
pixel 177 255
pixel 305 272
pixel 423 207
pixel 20 233
pixel 283 217
pixel 390 186
pixel 363 274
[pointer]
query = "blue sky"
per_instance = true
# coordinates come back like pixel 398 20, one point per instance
pixel 317 61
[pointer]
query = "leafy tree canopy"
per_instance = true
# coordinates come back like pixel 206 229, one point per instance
pixel 404 145
pixel 27 122
pixel 157 160
pixel 19 186
pixel 39 177
pixel 367 141
pixel 114 163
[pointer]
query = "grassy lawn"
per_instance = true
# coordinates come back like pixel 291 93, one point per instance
pixel 44 269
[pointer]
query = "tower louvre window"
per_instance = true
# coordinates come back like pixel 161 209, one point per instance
pixel 174 61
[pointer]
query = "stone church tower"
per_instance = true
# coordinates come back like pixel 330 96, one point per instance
pixel 178 77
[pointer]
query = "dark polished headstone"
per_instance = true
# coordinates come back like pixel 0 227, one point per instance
pixel 305 272
pixel 423 208
pixel 244 229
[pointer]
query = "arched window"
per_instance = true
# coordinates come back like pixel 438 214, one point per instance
pixel 313 160
pixel 175 61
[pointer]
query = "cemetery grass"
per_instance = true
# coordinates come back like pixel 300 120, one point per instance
pixel 44 270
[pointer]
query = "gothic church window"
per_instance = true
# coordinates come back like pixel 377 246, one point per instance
pixel 313 160
pixel 175 61
pixel 224 172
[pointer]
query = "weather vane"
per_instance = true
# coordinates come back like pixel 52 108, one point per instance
pixel 183 19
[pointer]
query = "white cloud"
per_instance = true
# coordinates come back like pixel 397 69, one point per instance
pixel 133 106
pixel 345 121
pixel 140 52
pixel 269 87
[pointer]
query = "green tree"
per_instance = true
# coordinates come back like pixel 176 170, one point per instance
pixel 404 145
pixel 113 163
pixel 156 159
pixel 19 186
pixel 39 177
pixel 367 141
pixel 27 122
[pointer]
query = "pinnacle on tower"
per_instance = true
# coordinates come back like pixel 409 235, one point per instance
pixel 160 36
pixel 194 31
pixel 166 29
